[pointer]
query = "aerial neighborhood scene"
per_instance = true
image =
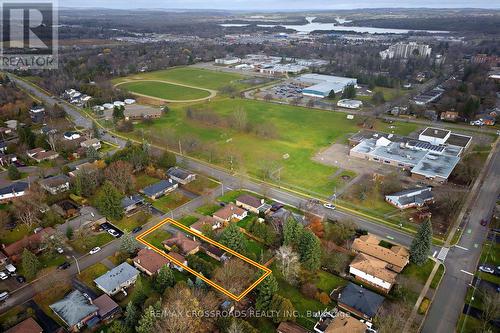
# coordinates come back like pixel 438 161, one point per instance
pixel 244 167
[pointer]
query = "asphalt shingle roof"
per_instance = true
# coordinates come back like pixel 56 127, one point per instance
pixel 361 299
pixel 73 308
pixel 115 277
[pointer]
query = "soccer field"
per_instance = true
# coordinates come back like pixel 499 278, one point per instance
pixel 164 90
pixel 196 77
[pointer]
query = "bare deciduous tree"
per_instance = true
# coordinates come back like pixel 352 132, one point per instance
pixel 233 275
pixel 27 212
pixel 288 263
pixel 120 174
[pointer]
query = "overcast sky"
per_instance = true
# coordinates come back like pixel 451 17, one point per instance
pixel 279 4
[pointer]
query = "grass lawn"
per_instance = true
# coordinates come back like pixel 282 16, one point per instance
pixel 88 275
pixel 301 132
pixel 142 180
pixel 164 90
pixel 472 324
pixel 256 250
pixel 188 220
pixel 170 201
pixel 231 196
pixel 136 220
pixel 208 209
pixel 420 273
pixel 8 237
pixel 156 237
pixel 488 277
pixel 200 185
pixel 327 282
pixel 196 77
pixel 94 240
pixel 490 255
pixel 245 222
pixel 437 277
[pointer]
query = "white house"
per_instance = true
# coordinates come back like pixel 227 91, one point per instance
pixel 416 197
pixel 94 143
pixel 372 271
pixel 14 190
pixel 71 135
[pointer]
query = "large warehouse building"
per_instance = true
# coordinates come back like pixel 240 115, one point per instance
pixel 321 85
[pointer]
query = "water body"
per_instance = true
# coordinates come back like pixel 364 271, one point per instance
pixel 316 26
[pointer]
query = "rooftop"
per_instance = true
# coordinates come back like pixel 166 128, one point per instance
pixel 227 211
pixel 178 173
pixel 250 200
pixel 360 299
pixel 73 308
pixel 159 187
pixel 374 267
pixel 15 187
pixel 131 200
pixel 150 260
pixel 115 277
pixel 344 324
pixel 436 132
pixel 396 256
pixel 26 326
pixel 184 243
pixel 433 165
pixel 105 305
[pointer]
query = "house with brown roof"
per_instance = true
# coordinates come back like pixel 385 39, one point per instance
pixel 205 222
pixel 397 257
pixel 26 326
pixel 213 251
pixel 249 202
pixel 449 116
pixel 149 262
pixel 373 272
pixel 32 242
pixel 180 258
pixel 40 154
pixel 185 245
pixel 290 327
pixel 108 309
pixel 346 324
pixel 229 213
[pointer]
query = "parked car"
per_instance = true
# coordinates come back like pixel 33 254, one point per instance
pixel 3 276
pixel 113 233
pixel 60 250
pixel 11 269
pixel 20 279
pixel 4 295
pixel 136 229
pixel 486 269
pixel 95 250
pixel 87 297
pixel 64 265
pixel 329 205
pixel 484 222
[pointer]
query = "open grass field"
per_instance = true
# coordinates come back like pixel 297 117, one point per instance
pixel 196 77
pixel 301 132
pixel 164 90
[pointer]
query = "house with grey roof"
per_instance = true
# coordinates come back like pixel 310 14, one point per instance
pixel 56 184
pixel 132 202
pixel 180 175
pixel 359 301
pixel 74 310
pixel 159 189
pixel 416 197
pixel 117 279
pixel 13 190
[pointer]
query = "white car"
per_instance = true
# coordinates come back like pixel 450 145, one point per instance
pixel 60 250
pixel 113 233
pixel 329 205
pixel 486 269
pixel 95 250
pixel 3 276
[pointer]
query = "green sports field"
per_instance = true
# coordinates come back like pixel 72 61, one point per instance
pixel 302 132
pixel 164 90
pixel 196 77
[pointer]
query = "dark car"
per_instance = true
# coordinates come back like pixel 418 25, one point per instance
pixel 276 206
pixel 20 279
pixel 484 222
pixel 64 265
pixel 136 229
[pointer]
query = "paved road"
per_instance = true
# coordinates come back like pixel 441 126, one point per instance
pixel 449 300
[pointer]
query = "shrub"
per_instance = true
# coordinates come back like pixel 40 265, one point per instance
pixel 309 290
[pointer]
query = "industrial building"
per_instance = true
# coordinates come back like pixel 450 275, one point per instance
pixel 405 50
pixel 433 156
pixel 322 85
pixel 350 103
pixel 228 61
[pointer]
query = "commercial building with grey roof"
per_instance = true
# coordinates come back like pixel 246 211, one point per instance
pixel 322 85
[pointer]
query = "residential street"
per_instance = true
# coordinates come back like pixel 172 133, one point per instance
pixel 462 260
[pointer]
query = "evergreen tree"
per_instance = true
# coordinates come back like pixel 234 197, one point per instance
pixel 147 322
pixel 13 172
pixel 421 244
pixel 283 309
pixel 95 130
pixel 331 94
pixel 164 279
pixel 233 238
pixel 109 202
pixel 92 153
pixel 167 160
pixel 30 264
pixel 349 91
pixel 266 291
pixel 118 112
pixel 309 248
pixel 128 244
pixel 131 315
pixel 292 231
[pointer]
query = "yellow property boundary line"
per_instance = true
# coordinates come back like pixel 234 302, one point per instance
pixel 267 271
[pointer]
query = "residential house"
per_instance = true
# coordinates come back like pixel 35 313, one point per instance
pixel 6 160
pixel 359 301
pixel 290 327
pixel 149 262
pixel 37 113
pixel 88 217
pixel 87 166
pixel 117 279
pixel 75 310
pixel 207 221
pixel 12 124
pixel 108 309
pixel 159 189
pixel 70 135
pixel 94 143
pixel 230 212
pixel 5 131
pixel 416 197
pixel 278 218
pixel 180 175
pixel 32 242
pixel 28 325
pixel 372 271
pixel 449 116
pixel 56 184
pixel 178 258
pixel 213 251
pixel 346 324
pixel 40 154
pixel 66 208
pixel 185 245
pixel 397 257
pixel 249 202
pixel 131 203
pixel 13 190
